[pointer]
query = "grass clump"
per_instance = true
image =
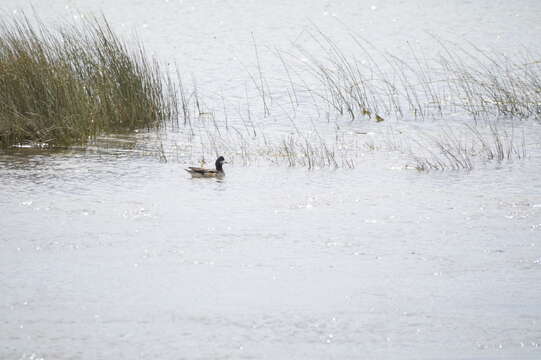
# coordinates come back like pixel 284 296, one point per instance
pixel 464 147
pixel 66 85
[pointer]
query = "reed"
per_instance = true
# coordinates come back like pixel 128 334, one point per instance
pixel 361 81
pixel 69 84
pixel 465 147
pixel 66 85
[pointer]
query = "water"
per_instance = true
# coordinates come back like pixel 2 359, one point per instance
pixel 113 254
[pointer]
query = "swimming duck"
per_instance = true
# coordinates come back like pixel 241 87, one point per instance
pixel 198 172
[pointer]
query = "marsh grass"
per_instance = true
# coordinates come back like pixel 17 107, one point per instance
pixel 66 85
pixel 490 92
pixel 463 147
pixel 360 81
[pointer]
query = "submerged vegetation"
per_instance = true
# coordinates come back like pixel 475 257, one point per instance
pixel 67 85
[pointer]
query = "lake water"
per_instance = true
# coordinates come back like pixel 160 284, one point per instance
pixel 108 253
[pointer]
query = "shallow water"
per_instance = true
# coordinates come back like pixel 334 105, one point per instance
pixel 116 256
pixel 112 254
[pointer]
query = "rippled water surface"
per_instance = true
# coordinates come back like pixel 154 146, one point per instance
pixel 116 256
pixel 112 254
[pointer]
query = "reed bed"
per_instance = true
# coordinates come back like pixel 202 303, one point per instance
pixel 463 147
pixel 484 90
pixel 364 82
pixel 66 85
pixel 321 79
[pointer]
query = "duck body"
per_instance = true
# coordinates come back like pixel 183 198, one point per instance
pixel 199 172
pixel 203 173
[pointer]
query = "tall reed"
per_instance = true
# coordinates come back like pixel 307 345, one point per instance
pixel 66 85
pixel 361 81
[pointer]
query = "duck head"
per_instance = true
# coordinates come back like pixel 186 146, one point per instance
pixel 219 162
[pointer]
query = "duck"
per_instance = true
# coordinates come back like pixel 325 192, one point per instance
pixel 199 172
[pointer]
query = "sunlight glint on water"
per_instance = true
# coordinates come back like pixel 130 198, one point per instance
pixel 112 254
pixel 375 257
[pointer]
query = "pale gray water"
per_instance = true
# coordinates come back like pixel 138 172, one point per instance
pixel 114 255
pixel 119 257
